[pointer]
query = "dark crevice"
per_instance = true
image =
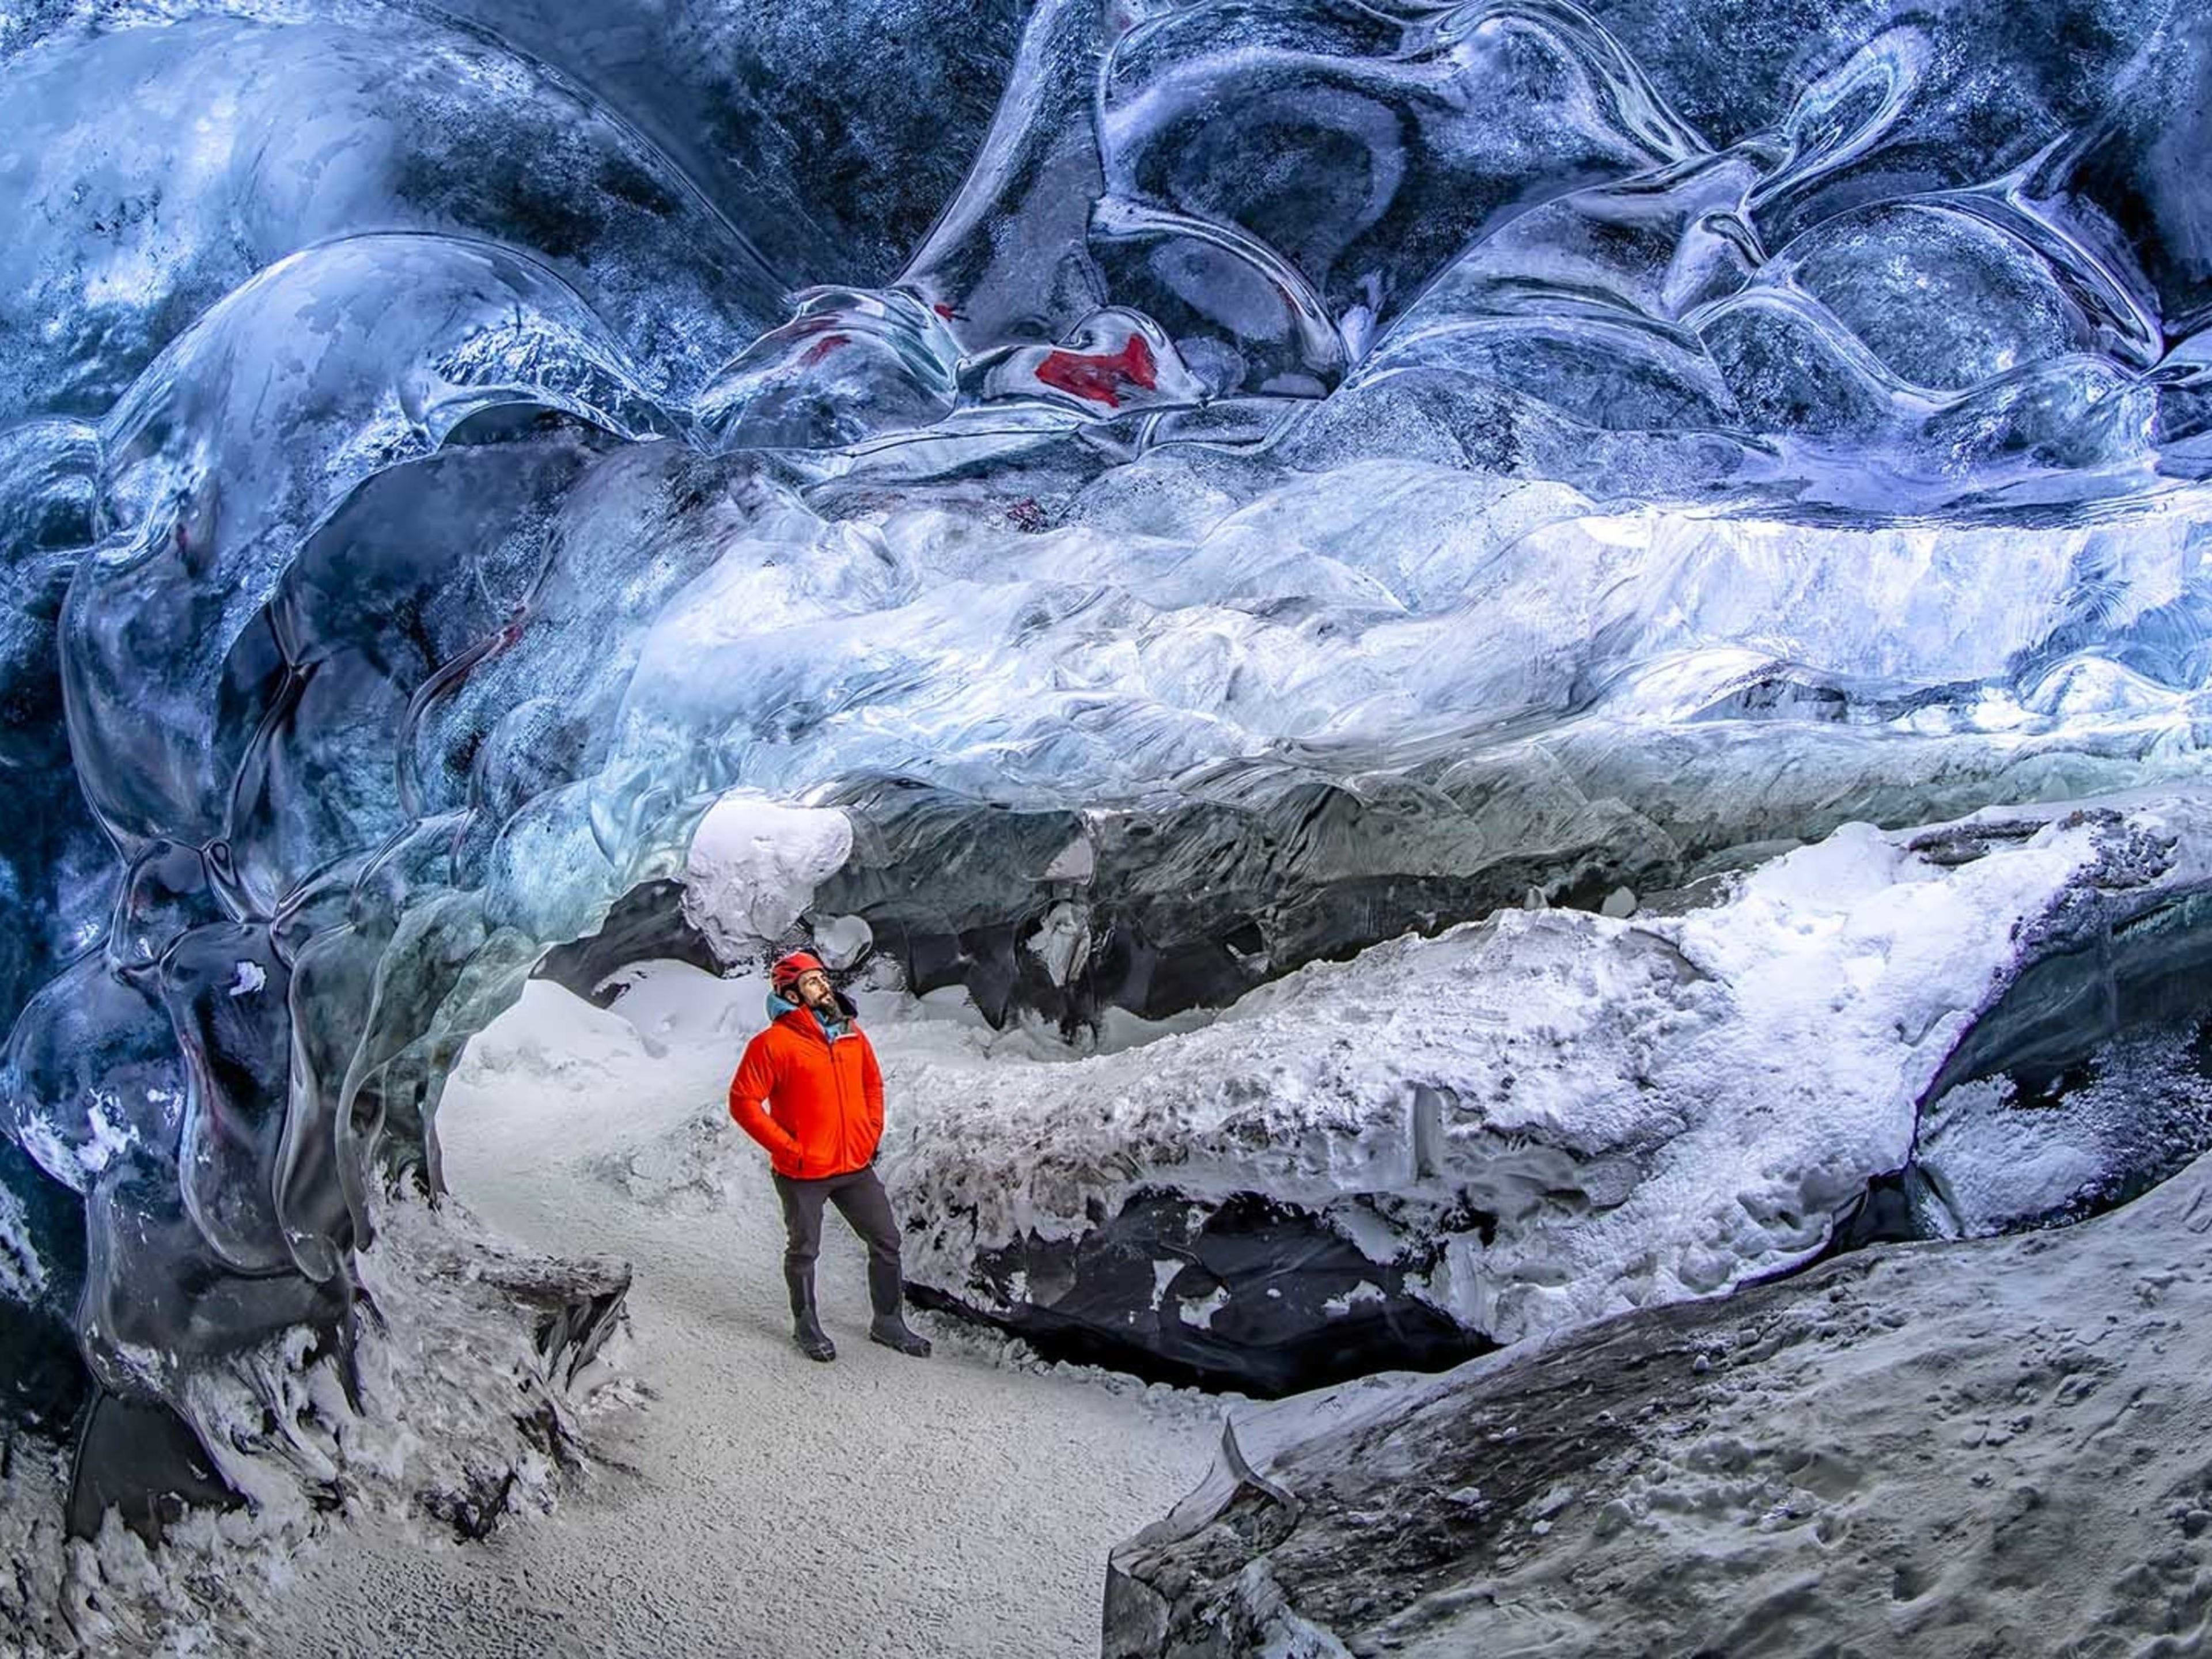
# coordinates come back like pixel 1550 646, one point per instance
pixel 1412 1339
pixel 142 1460
pixel 1269 1299
pixel 646 924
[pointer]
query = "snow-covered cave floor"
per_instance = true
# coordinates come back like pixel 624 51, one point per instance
pixel 756 1504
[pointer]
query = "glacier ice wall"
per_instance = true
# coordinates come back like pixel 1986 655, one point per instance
pixel 1201 486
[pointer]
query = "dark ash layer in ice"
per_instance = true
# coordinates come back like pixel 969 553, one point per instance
pixel 1245 1293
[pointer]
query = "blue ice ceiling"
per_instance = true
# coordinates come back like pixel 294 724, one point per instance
pixel 1351 463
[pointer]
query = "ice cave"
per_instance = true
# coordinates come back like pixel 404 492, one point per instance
pixel 1489 717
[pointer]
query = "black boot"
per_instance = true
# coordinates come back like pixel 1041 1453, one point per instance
pixel 889 1327
pixel 893 1332
pixel 806 1329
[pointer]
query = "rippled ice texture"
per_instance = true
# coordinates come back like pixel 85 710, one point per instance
pixel 1341 465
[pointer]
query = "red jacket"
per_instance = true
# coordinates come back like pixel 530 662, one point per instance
pixel 825 1100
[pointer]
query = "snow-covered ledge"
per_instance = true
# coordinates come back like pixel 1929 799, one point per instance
pixel 1521 1124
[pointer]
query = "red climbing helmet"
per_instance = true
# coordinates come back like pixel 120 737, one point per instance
pixel 786 973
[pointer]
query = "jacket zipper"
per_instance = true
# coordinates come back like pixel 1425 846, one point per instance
pixel 844 1112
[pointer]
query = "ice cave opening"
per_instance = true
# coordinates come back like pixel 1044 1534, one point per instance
pixel 1491 702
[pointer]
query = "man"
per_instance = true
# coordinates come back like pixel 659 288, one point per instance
pixel 815 1073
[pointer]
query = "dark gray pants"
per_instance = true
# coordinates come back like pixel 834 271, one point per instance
pixel 860 1198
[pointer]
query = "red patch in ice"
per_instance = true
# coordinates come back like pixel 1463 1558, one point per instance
pixel 822 348
pixel 1101 378
pixel 944 310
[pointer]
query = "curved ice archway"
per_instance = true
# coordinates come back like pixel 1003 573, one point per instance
pixel 406 608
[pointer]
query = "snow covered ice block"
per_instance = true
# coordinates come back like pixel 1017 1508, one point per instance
pixel 1516 1127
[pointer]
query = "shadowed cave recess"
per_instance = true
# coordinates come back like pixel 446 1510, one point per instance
pixel 1213 497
